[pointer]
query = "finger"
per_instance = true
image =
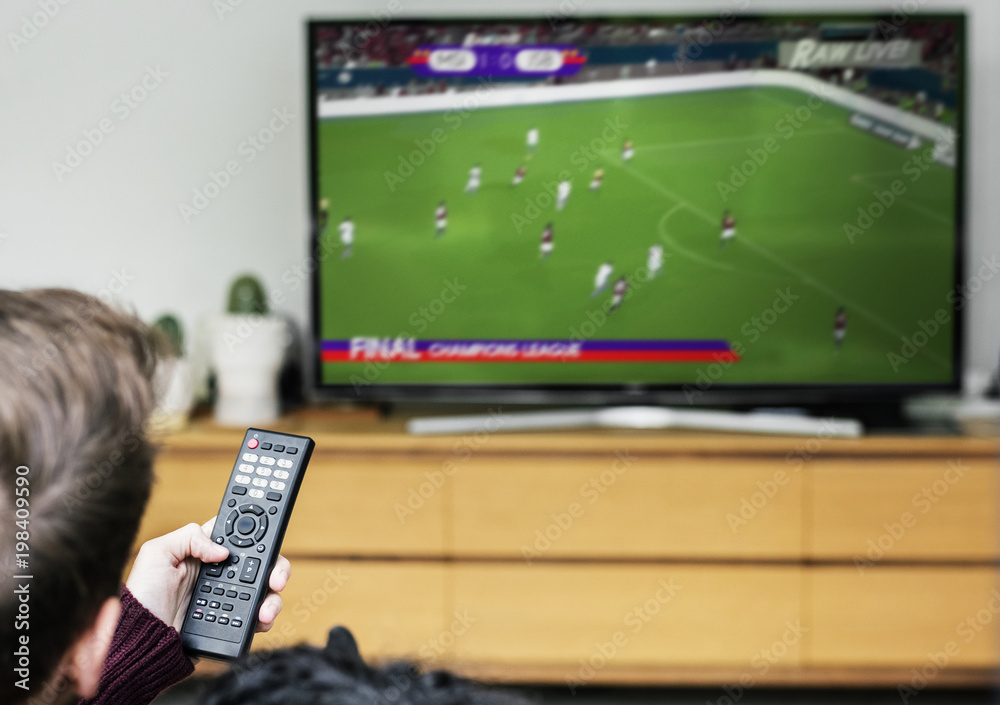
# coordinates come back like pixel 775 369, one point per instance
pixel 201 546
pixel 209 525
pixel 280 575
pixel 269 611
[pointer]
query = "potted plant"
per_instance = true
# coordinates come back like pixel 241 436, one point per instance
pixel 247 350
pixel 174 383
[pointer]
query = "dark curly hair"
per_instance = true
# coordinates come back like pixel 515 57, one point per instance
pixel 337 675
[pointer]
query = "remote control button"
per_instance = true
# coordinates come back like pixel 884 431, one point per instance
pixel 266 460
pixel 244 596
pixel 214 570
pixel 223 620
pixel 231 502
pixel 246 467
pixel 265 446
pixel 250 568
pixel 260 548
pixel 278 448
pixel 231 574
pixel 243 479
pixel 237 622
pixel 259 482
pixel 205 587
pixel 228 607
pixel 239 490
pixel 219 591
pixel 252 443
pixel 291 451
pixel 231 522
pixel 261 531
pixel 264 472
pixel 214 605
pixel 241 542
pixel 251 509
pixel 273 510
pixel 256 494
pixel 230 593
pixel 201 602
pixel 274 497
pixel 284 463
pixel 234 559
pixel 281 474
pixel 219 539
pixel 246 525
pixel 209 617
pixel 275 485
pixel 250 457
pixel 197 615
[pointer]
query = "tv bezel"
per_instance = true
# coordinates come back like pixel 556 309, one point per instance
pixel 624 393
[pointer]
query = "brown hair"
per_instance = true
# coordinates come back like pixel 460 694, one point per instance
pixel 75 395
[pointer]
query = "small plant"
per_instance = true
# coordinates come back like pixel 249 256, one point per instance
pixel 172 331
pixel 246 297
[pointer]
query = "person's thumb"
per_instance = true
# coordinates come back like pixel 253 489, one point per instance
pixel 193 541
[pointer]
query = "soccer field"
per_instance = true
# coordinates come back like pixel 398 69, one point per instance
pixel 790 217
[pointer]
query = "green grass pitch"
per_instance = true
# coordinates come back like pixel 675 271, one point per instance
pixel 790 237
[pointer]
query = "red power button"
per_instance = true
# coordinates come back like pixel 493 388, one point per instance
pixel 252 443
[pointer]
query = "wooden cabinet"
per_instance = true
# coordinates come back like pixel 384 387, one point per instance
pixel 630 557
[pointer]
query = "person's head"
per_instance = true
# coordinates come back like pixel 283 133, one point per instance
pixel 76 467
pixel 337 675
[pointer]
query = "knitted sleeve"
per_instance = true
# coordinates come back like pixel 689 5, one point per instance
pixel 145 657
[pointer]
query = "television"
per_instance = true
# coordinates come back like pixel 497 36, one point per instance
pixel 720 209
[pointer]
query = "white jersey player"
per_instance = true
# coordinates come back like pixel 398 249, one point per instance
pixel 475 175
pixel 440 219
pixel 346 229
pixel 654 261
pixel 601 280
pixel 532 140
pixel 562 194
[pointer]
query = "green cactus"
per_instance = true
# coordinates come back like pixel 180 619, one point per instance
pixel 172 331
pixel 246 296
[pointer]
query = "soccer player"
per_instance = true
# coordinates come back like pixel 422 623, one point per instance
pixel 562 194
pixel 839 327
pixel 601 280
pixel 518 176
pixel 440 219
pixel 654 261
pixel 475 174
pixel 728 229
pixel 323 217
pixel 627 151
pixel 595 183
pixel 618 295
pixel 346 229
pixel 546 247
pixel 532 141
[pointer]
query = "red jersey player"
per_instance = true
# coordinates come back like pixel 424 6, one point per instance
pixel 546 247
pixel 518 176
pixel 440 219
pixel 839 327
pixel 728 229
pixel 618 294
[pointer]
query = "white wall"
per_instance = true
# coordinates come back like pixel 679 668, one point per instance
pixel 220 79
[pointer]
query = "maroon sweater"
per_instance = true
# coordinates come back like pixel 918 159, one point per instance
pixel 145 657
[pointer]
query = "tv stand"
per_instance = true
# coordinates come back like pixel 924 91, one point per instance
pixel 640 417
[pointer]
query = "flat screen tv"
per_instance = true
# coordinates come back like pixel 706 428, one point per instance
pixel 701 209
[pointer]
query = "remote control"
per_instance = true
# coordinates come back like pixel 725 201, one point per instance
pixel 257 504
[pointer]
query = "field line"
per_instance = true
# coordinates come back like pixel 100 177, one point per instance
pixel 859 180
pixel 805 278
pixel 742 138
pixel 677 247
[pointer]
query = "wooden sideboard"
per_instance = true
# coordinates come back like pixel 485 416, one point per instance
pixel 627 558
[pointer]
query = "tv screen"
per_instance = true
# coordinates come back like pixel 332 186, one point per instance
pixel 675 208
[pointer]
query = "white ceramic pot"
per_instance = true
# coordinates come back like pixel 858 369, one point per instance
pixel 174 385
pixel 247 352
